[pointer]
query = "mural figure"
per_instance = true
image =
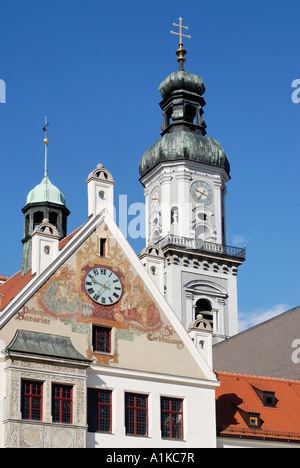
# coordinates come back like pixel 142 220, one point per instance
pixel 140 308
pixel 61 296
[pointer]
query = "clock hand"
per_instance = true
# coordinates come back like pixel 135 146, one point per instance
pixel 95 281
pixel 202 193
pixel 103 287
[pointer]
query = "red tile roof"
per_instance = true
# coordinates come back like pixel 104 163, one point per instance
pixel 242 395
pixel 12 286
pixel 64 241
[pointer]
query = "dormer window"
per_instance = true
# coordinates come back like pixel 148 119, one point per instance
pixel 254 420
pixel 269 399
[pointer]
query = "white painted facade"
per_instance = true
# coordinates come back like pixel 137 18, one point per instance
pixel 244 443
pixel 176 215
pixel 171 208
pixel 198 408
pixel 150 363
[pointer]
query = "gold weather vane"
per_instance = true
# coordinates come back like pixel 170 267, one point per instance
pixel 181 52
pixel 45 130
pixel 46 141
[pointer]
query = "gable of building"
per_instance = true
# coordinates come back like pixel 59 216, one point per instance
pixel 145 334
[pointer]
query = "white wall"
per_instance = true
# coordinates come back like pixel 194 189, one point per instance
pixel 2 394
pixel 235 442
pixel 198 410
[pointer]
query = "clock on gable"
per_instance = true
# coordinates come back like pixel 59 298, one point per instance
pixel 103 286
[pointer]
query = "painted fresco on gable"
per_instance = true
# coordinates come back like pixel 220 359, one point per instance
pixel 60 298
pixel 77 294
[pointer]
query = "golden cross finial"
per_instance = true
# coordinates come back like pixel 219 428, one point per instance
pixel 181 51
pixel 180 26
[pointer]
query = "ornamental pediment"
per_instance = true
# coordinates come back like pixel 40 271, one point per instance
pixel 205 287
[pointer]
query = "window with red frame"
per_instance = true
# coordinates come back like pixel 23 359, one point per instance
pixel 171 418
pixel 99 410
pixel 62 403
pixel 136 414
pixel 32 400
pixel 102 339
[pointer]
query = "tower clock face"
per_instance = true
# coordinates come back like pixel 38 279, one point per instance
pixel 103 286
pixel 202 192
pixel 155 197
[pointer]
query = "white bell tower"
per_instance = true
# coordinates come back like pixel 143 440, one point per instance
pixel 100 191
pixel 184 176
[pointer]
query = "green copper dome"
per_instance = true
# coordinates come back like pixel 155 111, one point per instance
pixel 184 145
pixel 46 192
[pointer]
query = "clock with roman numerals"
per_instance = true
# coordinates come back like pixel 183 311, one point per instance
pixel 103 286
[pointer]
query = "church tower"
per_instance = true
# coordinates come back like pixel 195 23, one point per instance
pixel 44 202
pixel 184 176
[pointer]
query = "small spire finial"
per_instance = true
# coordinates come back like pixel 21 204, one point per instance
pixel 46 141
pixel 181 52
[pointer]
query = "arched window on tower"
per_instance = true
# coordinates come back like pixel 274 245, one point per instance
pixel 169 113
pixel 190 114
pixel 155 236
pixel 53 218
pixel 204 307
pixel 37 219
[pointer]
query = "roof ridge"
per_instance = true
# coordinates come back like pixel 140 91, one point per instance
pixel 236 374
pixel 231 338
pixel 66 239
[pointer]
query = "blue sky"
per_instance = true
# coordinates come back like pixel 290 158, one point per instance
pixel 94 67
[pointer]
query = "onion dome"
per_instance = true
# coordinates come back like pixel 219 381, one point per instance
pixel 183 131
pixel 181 80
pixel 184 145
